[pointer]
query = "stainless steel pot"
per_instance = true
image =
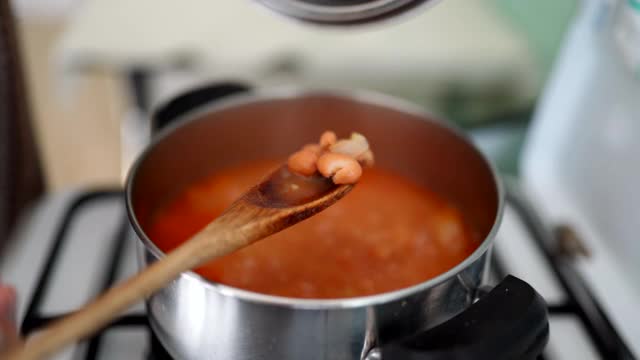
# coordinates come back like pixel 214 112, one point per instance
pixel 198 319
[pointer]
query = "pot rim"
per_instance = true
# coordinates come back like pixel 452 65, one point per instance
pixel 381 11
pixel 280 93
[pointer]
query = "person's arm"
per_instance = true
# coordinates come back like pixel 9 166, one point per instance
pixel 8 330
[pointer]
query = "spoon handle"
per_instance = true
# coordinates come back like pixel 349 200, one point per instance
pixel 249 219
pixel 213 241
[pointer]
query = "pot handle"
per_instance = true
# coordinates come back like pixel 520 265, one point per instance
pixel 172 110
pixel 510 322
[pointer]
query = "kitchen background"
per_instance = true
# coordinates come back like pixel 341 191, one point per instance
pixel 476 61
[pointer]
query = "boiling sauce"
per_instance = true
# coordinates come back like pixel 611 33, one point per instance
pixel 388 233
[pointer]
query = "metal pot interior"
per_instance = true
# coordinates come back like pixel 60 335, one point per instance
pixel 405 141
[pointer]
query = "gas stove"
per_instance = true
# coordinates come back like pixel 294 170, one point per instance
pixel 76 244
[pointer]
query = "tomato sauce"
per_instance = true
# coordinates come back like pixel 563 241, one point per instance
pixel 387 234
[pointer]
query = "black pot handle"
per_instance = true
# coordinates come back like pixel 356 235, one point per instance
pixel 510 322
pixel 192 99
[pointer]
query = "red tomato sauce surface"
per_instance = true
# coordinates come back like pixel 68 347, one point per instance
pixel 387 234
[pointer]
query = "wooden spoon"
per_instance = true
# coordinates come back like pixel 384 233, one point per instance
pixel 281 200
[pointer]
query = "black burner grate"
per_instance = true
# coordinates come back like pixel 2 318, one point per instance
pixel 157 351
pixel 580 302
pixel 34 318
